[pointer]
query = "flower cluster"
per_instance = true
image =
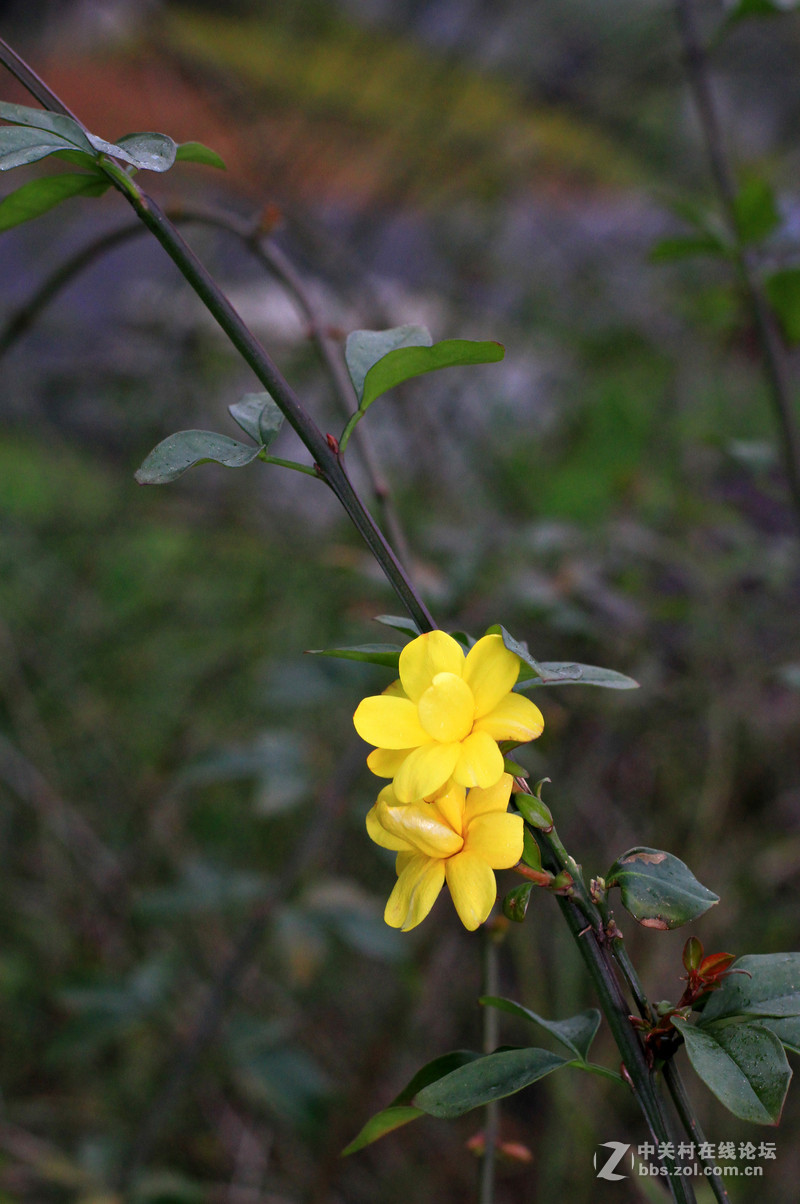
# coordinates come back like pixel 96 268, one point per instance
pixel 436 733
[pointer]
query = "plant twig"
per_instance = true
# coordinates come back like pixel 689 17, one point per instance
pixel 767 333
pixel 490 1021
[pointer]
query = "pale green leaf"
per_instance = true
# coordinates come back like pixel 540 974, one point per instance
pixel 171 458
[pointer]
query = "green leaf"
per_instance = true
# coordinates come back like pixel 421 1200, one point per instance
pixel 36 197
pixel 556 673
pixel 658 889
pixel 399 1111
pixel 408 362
pixel 258 416
pixel 562 673
pixel 491 1077
pixel 515 904
pixel 575 1034
pixel 146 152
pixel 375 654
pixel 758 8
pixel 399 623
pixel 743 1064
pixel 755 211
pixel 686 246
pixel 19 146
pixel 56 124
pixel 531 853
pixel 783 290
pixel 197 152
pixel 364 348
pixel 171 458
pixel 768 985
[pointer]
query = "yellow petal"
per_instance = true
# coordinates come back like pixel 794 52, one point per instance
pixel 490 671
pixel 425 770
pixel 415 892
pixel 421 826
pixel 514 718
pixel 480 762
pixel 497 837
pixel 429 654
pixel 447 708
pixel 495 798
pixel 376 830
pixel 472 886
pixel 450 803
pixel 389 722
pixel 385 762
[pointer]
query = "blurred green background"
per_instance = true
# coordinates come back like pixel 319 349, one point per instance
pixel 179 784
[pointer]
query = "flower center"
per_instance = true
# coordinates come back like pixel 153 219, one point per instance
pixel 447 708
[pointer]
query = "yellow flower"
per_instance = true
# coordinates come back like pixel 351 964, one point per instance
pixel 459 837
pixel 445 716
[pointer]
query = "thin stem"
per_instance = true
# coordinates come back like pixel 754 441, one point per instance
pixel 769 339
pixel 690 1123
pixel 491 1124
pixel 36 86
pixel 288 464
pixel 326 458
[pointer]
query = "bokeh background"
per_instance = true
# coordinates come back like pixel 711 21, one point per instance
pixel 180 787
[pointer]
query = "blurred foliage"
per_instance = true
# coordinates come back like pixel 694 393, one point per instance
pixel 175 775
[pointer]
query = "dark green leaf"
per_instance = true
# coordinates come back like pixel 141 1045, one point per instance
pixel 56 124
pixel 515 904
pixel 491 1077
pixel 364 348
pixel 375 654
pixel 686 246
pixel 743 1064
pixel 399 1111
pixel 575 1034
pixel 399 623
pixel 183 450
pixel 38 196
pixel 755 211
pixel 258 416
pixel 563 673
pixel 19 146
pixel 197 152
pixel 658 889
pixel 408 362
pixel 769 986
pixel 783 290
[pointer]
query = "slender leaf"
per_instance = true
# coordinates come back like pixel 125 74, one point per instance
pixel 559 673
pixel 575 1034
pixel 364 348
pixel 408 362
pixel 658 889
pixel 258 416
pixel 491 1077
pixel 197 152
pixel 37 196
pixel 57 124
pixel 171 458
pixel 562 673
pixel 743 1064
pixel 20 146
pixel 686 246
pixel 399 1111
pixel 375 654
pixel 756 211
pixel 399 623
pixel 783 290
